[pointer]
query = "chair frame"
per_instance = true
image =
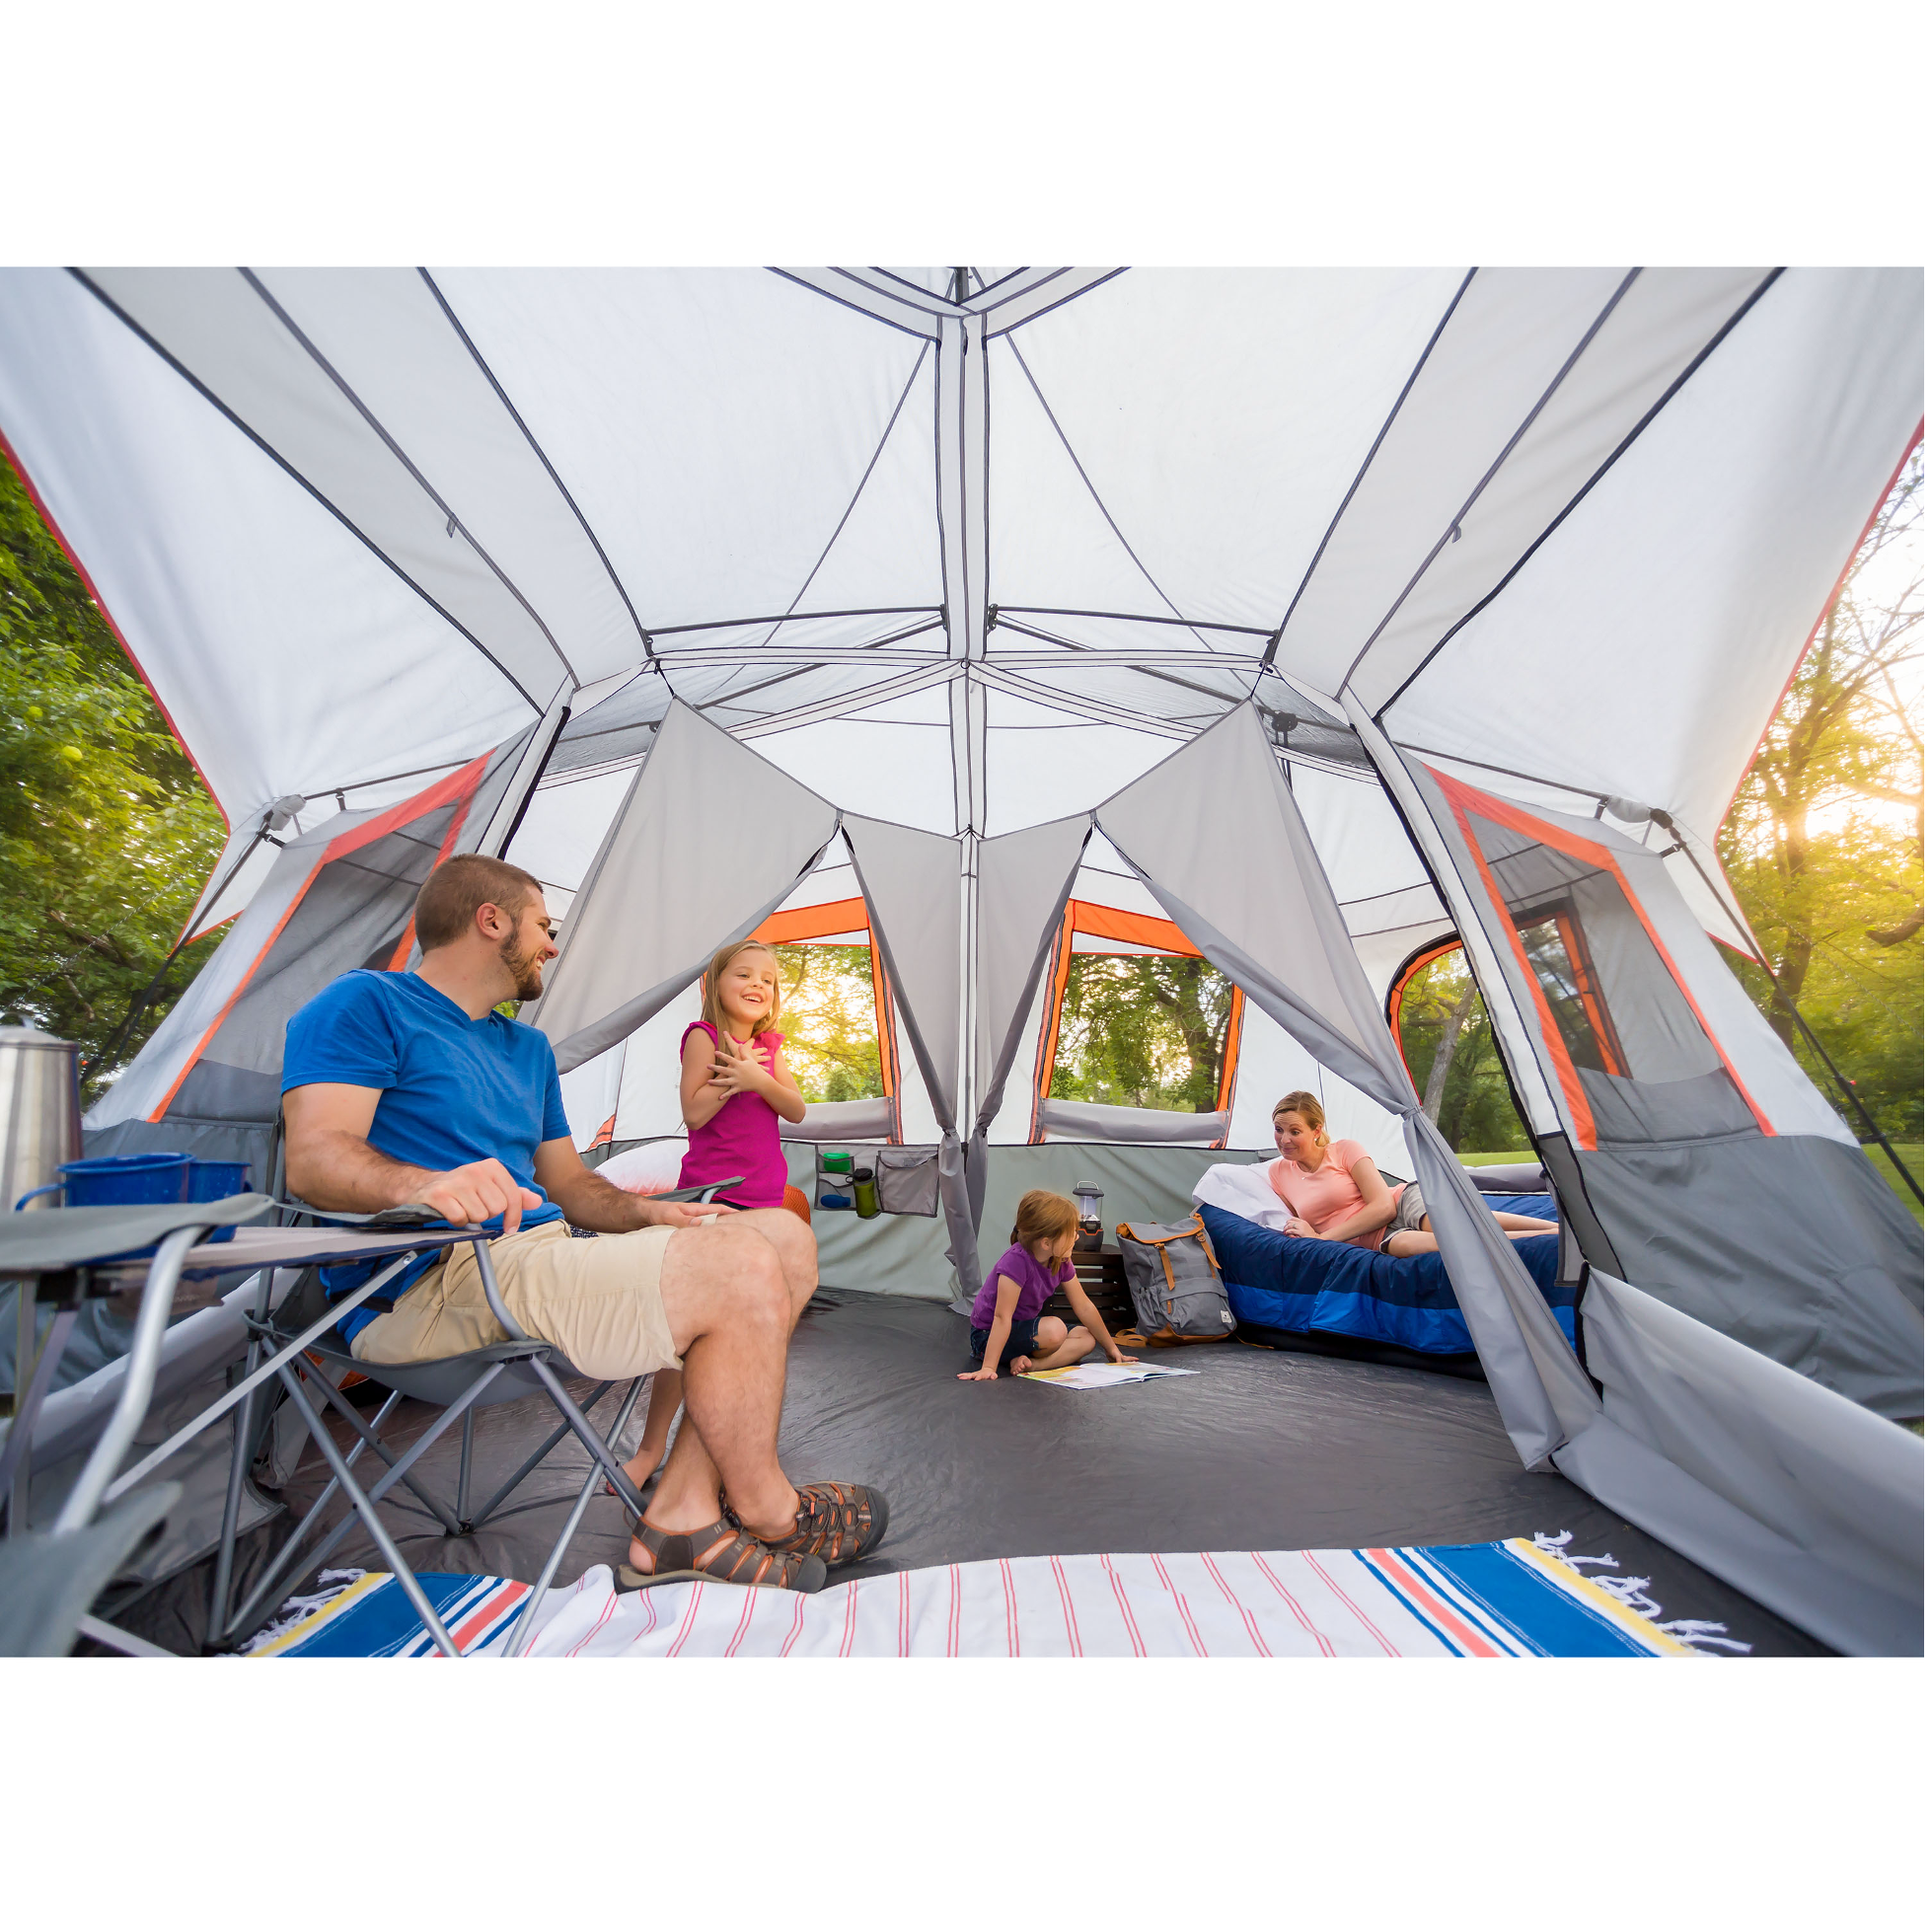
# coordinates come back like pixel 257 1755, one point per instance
pixel 460 1386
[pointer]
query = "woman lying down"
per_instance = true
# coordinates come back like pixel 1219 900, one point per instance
pixel 1334 1191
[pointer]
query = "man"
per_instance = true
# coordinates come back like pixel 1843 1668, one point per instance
pixel 411 1087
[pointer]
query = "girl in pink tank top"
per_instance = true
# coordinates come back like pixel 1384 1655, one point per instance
pixel 734 1087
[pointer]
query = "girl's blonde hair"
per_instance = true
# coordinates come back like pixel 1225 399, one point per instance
pixel 713 1011
pixel 1309 1108
pixel 1043 1217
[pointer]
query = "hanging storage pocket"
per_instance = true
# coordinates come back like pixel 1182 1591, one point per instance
pixel 908 1180
pixel 1175 1282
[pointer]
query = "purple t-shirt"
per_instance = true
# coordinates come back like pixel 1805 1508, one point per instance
pixel 1036 1286
pixel 741 1138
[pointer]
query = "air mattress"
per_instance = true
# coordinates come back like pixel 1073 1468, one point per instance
pixel 1298 1287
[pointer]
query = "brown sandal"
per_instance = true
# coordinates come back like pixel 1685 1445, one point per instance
pixel 723 1553
pixel 838 1521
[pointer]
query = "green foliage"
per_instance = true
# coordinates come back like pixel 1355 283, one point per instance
pixel 1825 844
pixel 1143 1030
pixel 1476 1111
pixel 830 1023
pixel 106 831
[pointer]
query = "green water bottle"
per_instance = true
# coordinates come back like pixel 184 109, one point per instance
pixel 864 1193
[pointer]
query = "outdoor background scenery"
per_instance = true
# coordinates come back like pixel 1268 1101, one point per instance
pixel 106 837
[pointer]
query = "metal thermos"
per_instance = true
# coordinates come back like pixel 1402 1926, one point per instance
pixel 41 1108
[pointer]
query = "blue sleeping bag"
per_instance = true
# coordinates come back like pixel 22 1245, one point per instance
pixel 1298 1287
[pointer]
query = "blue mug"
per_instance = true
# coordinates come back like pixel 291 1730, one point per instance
pixel 216 1180
pixel 117 1180
pixel 139 1181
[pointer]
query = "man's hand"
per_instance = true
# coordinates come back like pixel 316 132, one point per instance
pixel 683 1214
pixel 479 1192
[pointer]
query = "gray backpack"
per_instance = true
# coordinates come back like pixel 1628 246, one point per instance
pixel 1175 1281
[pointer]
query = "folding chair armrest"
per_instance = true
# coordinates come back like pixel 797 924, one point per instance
pixel 705 1193
pixel 412 1214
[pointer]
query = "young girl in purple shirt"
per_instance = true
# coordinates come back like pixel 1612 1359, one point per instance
pixel 1007 1325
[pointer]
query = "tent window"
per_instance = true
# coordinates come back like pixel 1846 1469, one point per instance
pixel 1553 942
pixel 829 1016
pixel 1618 1027
pixel 1135 1017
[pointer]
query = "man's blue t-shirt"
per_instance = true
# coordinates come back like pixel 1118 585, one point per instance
pixel 454 1089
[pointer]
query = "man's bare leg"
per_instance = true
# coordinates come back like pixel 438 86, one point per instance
pixel 795 1246
pixel 731 1310
pixel 797 1253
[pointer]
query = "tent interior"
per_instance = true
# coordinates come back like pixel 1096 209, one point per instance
pixel 982 624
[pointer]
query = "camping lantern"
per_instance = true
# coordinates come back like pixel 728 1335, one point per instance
pixel 1088 1198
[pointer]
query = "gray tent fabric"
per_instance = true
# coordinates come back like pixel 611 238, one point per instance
pixel 912 883
pixel 1692 1128
pixel 1842 1487
pixel 1146 1127
pixel 1024 880
pixel 708 842
pixel 1270 900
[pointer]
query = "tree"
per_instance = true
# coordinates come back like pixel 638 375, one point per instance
pixel 107 833
pixel 1143 1030
pixel 827 1013
pixel 1452 1058
pixel 1824 843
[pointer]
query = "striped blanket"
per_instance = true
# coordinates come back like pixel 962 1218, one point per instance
pixel 1514 1598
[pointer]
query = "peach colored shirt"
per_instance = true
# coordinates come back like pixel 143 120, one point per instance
pixel 1329 1194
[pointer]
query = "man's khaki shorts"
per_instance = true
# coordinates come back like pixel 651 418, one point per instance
pixel 600 1301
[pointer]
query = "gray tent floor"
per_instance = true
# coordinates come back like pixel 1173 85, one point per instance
pixel 1255 1451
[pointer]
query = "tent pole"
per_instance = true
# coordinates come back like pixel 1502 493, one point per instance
pixel 522 788
pixel 1432 849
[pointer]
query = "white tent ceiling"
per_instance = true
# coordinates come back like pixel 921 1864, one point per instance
pixel 966 551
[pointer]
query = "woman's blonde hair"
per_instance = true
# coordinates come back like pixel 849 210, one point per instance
pixel 713 1011
pixel 1309 1108
pixel 1043 1217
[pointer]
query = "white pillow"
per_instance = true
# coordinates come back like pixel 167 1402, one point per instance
pixel 649 1169
pixel 1243 1190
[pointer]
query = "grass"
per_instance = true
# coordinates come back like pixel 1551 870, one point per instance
pixel 1915 1159
pixel 1913 1155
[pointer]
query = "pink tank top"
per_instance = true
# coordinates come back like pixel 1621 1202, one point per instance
pixel 741 1138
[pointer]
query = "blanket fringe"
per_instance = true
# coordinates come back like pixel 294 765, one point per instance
pixel 295 1609
pixel 1630 1591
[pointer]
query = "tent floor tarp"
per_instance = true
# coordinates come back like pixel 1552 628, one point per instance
pixel 1256 1451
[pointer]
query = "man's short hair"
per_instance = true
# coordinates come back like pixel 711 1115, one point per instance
pixel 446 906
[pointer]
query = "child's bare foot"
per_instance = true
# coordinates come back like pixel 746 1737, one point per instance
pixel 1021 1365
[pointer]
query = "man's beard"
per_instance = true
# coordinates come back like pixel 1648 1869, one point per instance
pixel 525 968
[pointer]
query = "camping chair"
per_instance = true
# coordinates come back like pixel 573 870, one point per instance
pixel 460 1386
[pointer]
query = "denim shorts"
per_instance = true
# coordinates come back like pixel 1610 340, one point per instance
pixel 1020 1341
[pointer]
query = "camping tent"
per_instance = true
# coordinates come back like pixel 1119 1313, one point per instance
pixel 1299 619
